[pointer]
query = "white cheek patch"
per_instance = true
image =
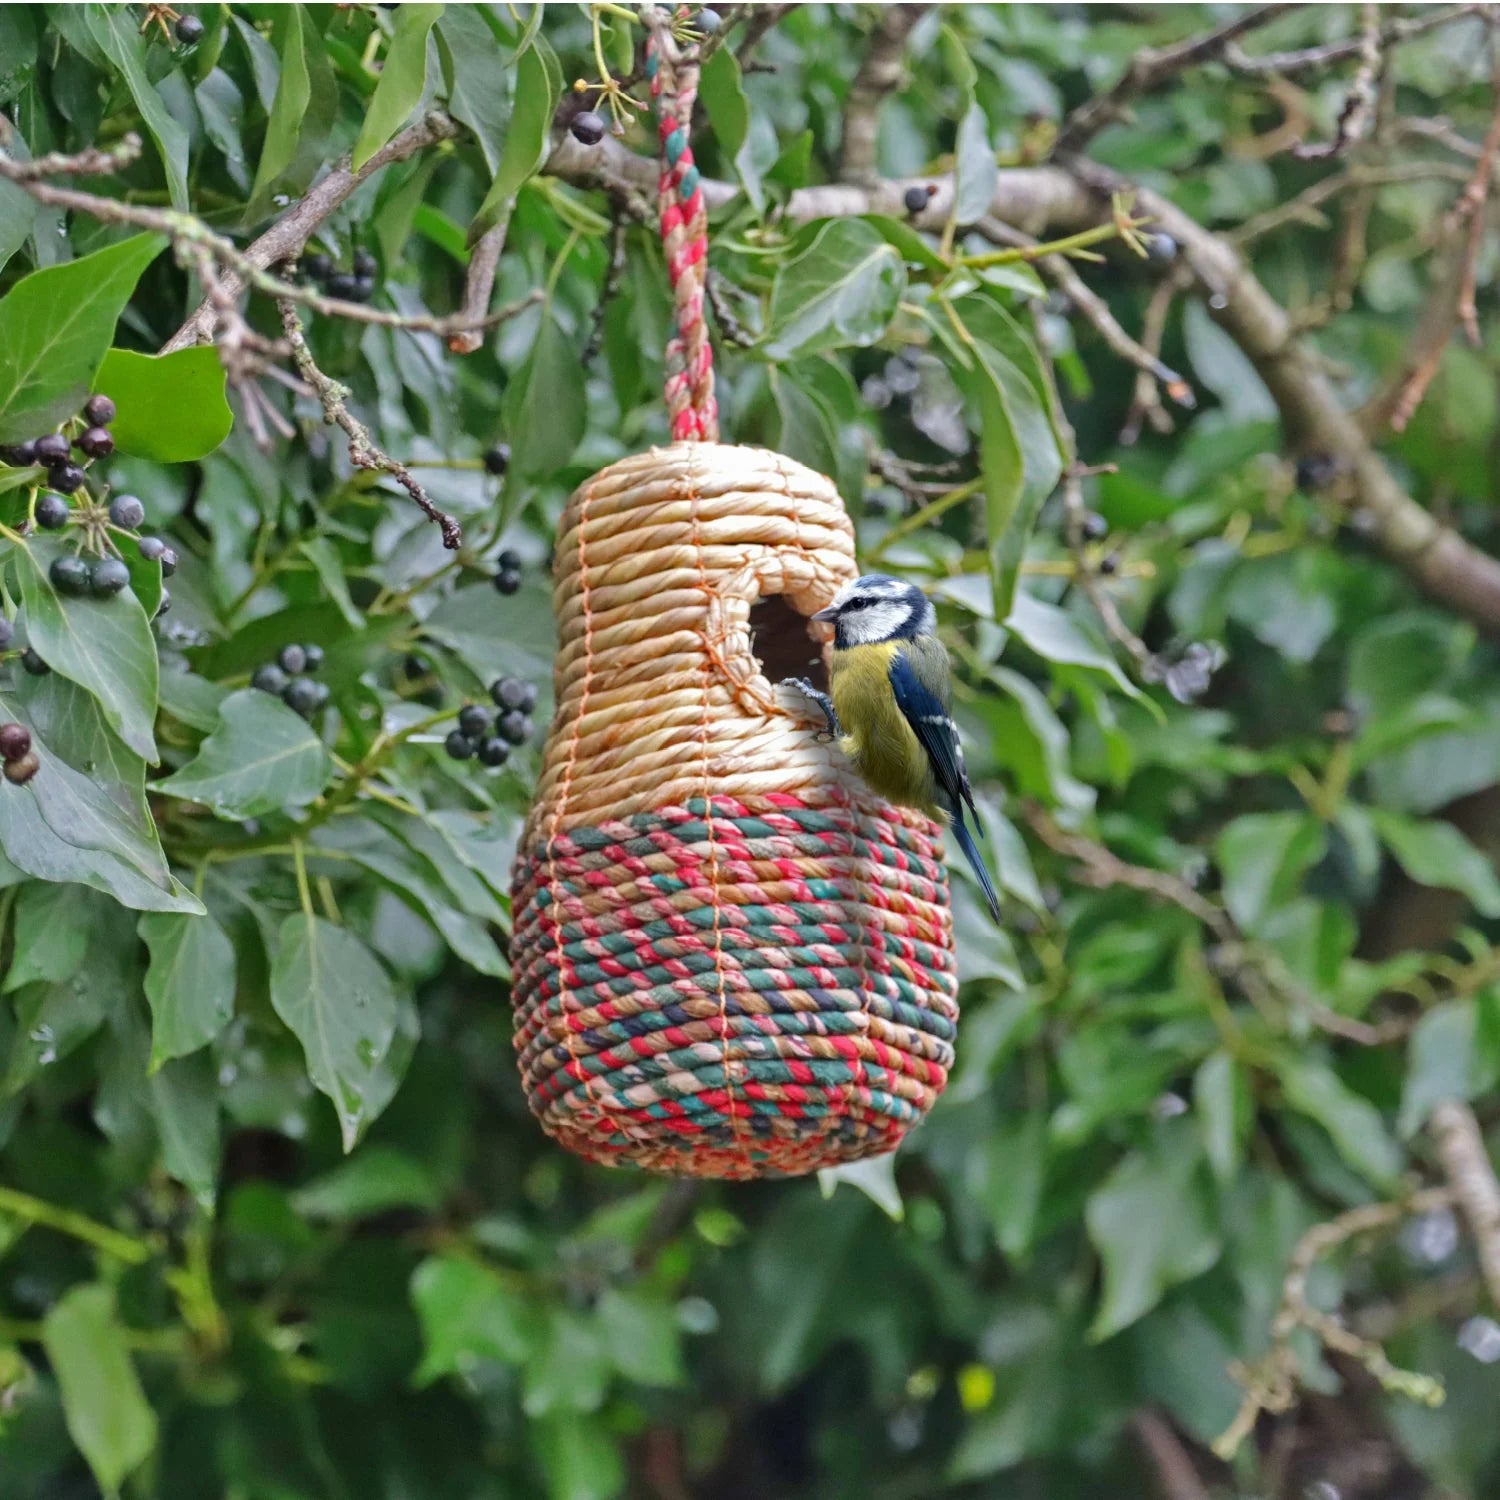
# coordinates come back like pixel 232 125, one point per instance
pixel 875 622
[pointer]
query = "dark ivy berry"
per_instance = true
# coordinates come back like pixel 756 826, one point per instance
pixel 7 630
pixel 587 128
pixel 107 577
pixel 493 751
pixel 317 266
pixel 69 575
pixel 509 561
pixel 1109 563
pixel 314 655
pixel 189 29
pixel 1161 247
pixel 365 264
pixel 151 547
pixel 19 772
pixel 96 442
pixel 65 477
pixel 15 741
pixel 302 696
pixel 709 21
pixel 1095 527
pixel 343 286
pixel 168 560
pixel 52 448
pixel 509 692
pixel 515 727
pixel 458 745
pixel 474 720
pixel 363 289
pixel 507 580
pixel 528 697
pixel 127 512
pixel 99 411
pixel 915 198
pixel 19 455
pixel 1315 471
pixel 52 512
pixel 269 679
pixel 164 603
pixel 293 660
pixel 321 694
pixel 497 459
pixel 33 663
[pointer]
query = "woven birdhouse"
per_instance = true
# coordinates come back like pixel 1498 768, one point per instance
pixel 730 958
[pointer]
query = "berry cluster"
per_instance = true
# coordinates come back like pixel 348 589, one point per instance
pixel 489 735
pixel 285 678
pixel 55 453
pixel 101 577
pixel 357 284
pixel 20 760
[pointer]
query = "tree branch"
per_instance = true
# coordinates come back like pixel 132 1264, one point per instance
pixel 1149 69
pixel 285 239
pixel 1460 1148
pixel 879 75
pixel 1392 34
pixel 363 451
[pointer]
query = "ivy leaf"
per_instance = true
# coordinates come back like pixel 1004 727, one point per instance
pixel 105 1408
pixel 1445 1062
pixel 52 927
pixel 189 984
pixel 528 141
pixel 723 96
pixel 304 108
pixel 188 383
pixel 262 757
pixel 468 1314
pixel 1154 1224
pixel 184 1099
pixel 842 290
pixel 1436 853
pixel 403 79
pixel 975 170
pixel 545 409
pixel 339 1003
pixel 640 1333
pixel 478 79
pixel 117 34
pixel 104 645
pixel 1315 1090
pixel 55 329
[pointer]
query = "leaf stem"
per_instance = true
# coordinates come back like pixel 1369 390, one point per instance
pixel 304 894
pixel 114 1242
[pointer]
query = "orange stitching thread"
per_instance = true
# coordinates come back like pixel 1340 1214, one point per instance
pixel 570 761
pixel 708 820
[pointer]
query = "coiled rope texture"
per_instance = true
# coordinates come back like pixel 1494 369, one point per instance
pixel 729 956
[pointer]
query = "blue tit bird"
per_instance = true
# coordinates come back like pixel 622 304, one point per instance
pixel 891 709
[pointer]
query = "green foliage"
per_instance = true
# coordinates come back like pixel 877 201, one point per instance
pixel 274 1220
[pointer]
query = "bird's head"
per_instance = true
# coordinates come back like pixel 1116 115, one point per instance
pixel 879 608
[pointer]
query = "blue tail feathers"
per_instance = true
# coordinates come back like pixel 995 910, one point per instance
pixel 964 838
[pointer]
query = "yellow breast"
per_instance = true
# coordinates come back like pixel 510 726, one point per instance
pixel 876 736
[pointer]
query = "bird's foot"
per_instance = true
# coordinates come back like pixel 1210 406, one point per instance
pixel 824 702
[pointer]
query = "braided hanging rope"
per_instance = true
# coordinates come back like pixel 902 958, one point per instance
pixel 672 69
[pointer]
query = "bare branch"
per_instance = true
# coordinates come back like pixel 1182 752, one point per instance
pixel 479 281
pixel 93 161
pixel 1466 1163
pixel 285 239
pixel 1358 110
pixel 879 75
pixel 1177 1477
pixel 363 452
pixel 1149 69
pixel 1392 34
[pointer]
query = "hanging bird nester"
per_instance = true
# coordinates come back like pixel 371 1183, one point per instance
pixel 730 957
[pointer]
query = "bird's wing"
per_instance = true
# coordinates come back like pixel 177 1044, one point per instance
pixel 923 702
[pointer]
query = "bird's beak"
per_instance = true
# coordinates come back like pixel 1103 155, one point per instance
pixel 826 616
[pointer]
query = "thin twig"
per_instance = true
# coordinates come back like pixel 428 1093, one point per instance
pixel 1145 401
pixel 1150 68
pixel 1093 309
pixel 93 161
pixel 613 276
pixel 363 451
pixel 1392 34
pixel 1358 109
pixel 731 330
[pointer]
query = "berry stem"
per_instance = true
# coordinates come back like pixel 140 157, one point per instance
pixel 304 894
